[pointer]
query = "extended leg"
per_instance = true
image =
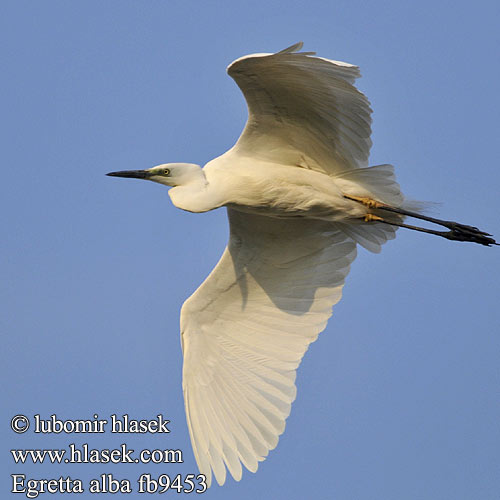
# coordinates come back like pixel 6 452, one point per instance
pixel 458 232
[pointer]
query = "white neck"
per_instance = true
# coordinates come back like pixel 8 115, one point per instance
pixel 195 196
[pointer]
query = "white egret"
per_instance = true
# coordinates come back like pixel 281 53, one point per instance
pixel 300 196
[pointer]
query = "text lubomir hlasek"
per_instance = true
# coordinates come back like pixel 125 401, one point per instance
pixel 120 425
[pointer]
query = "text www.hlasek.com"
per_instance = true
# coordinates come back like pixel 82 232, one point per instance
pixel 86 455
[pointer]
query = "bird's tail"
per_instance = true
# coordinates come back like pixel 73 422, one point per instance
pixel 378 183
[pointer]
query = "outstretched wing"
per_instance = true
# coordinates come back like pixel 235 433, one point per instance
pixel 303 110
pixel 245 330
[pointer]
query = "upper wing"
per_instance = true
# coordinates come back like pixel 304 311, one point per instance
pixel 245 330
pixel 303 111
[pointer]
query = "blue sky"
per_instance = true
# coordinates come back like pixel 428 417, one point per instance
pixel 398 399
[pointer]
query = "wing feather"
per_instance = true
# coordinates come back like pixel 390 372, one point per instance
pixel 303 110
pixel 246 329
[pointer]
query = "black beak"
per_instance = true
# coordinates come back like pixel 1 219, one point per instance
pixel 135 174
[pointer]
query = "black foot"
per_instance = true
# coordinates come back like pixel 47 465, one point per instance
pixel 461 232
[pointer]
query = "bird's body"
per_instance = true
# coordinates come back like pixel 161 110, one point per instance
pixel 300 197
pixel 263 187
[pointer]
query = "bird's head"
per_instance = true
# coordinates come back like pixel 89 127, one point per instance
pixel 169 174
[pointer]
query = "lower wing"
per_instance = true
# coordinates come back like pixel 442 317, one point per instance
pixel 246 329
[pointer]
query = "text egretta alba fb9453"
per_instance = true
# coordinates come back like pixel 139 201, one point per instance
pixel 299 195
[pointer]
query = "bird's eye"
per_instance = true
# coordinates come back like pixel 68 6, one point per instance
pixel 166 171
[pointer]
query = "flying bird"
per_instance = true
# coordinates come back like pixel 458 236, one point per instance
pixel 300 196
